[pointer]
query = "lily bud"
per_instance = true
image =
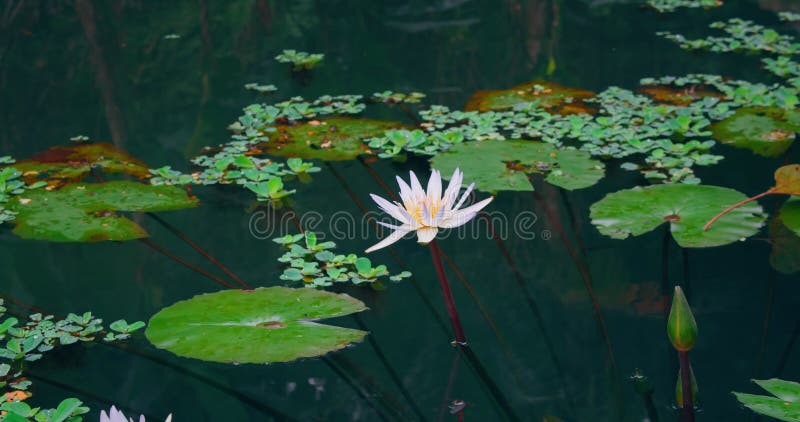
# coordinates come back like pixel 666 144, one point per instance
pixel 681 326
pixel 679 389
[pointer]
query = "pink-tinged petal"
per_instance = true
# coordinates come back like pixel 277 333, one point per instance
pixel 464 197
pixel 169 418
pixel 141 418
pixel 389 208
pixel 474 208
pixel 388 240
pixel 427 218
pixel 416 187
pixel 435 186
pixel 426 234
pixel 104 417
pixel 451 193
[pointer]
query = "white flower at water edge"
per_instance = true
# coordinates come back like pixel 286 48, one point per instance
pixel 115 415
pixel 427 211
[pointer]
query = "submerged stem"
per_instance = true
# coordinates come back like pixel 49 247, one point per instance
pixel 452 312
pixel 686 388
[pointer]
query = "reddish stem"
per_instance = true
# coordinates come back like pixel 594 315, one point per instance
pixel 686 386
pixel 436 254
pixel 196 269
pixel 736 205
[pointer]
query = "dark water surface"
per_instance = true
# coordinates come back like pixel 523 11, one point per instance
pixel 104 69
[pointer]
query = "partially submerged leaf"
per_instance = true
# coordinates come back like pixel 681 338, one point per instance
pixel 678 96
pixel 85 212
pixel 686 208
pixel 784 406
pixel 506 165
pixel 75 161
pixel 275 324
pixel 766 131
pixel 784 235
pixel 787 180
pixel 550 96
pixel 332 139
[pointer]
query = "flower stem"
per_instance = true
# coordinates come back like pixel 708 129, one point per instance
pixel 686 387
pixel 436 254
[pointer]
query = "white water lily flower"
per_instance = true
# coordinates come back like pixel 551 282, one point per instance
pixel 114 415
pixel 427 211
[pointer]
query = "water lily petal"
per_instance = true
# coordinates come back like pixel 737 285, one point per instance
pixel 464 196
pixel 389 208
pixel 461 217
pixel 405 191
pixel 451 193
pixel 388 240
pixel 426 234
pixel 416 187
pixel 434 191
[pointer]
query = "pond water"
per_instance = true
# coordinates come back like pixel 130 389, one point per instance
pixel 108 72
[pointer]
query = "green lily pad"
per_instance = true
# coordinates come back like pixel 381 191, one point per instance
pixel 686 208
pixel 785 405
pixel 85 212
pixel 766 131
pixel 505 165
pixel 790 214
pixel 552 97
pixel 333 139
pixel 73 162
pixel 274 324
pixel 679 96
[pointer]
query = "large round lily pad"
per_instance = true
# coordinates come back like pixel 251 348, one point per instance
pixel 783 404
pixel 766 131
pixel 551 96
pixel 333 139
pixel 686 208
pixel 275 324
pixel 505 165
pixel 85 212
pixel 73 162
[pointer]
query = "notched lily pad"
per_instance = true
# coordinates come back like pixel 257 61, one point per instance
pixel 274 324
pixel 85 212
pixel 766 131
pixel 551 96
pixel 333 139
pixel 505 165
pixel 686 208
pixel 784 404
pixel 74 162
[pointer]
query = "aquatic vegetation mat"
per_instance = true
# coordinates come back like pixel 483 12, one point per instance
pixel 273 324
pixel 76 161
pixel 685 208
pixel 547 95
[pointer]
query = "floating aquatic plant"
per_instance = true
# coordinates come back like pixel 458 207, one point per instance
pixel 86 212
pixel 784 235
pixel 31 340
pixel 685 208
pixel 316 265
pixel 507 165
pixel 783 403
pixel 259 88
pixel 672 5
pixel 76 161
pixel 274 324
pixel 743 35
pixel 769 132
pixel 548 95
pixel 300 60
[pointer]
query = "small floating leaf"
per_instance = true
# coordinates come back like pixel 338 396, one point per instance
pixel 86 212
pixel 785 405
pixel 505 165
pixel 787 180
pixel 767 131
pixel 678 96
pixel 333 139
pixel 784 234
pixel 686 208
pixel 552 97
pixel 275 324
